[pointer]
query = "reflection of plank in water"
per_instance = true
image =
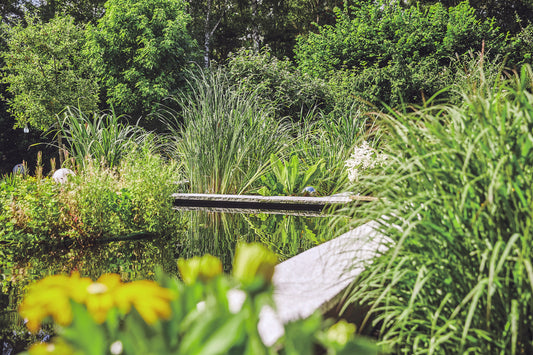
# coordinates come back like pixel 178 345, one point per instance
pixel 262 203
pixel 285 212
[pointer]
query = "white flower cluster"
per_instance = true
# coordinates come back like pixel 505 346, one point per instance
pixel 363 157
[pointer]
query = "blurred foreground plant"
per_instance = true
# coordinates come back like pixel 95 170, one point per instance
pixel 209 313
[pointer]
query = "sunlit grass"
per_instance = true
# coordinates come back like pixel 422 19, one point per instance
pixel 104 137
pixel 223 135
pixel 456 199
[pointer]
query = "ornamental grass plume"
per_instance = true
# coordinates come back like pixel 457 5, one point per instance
pixel 364 157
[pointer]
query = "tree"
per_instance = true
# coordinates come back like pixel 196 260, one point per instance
pixel 225 26
pixel 510 15
pixel 392 53
pixel 142 49
pixel 83 11
pixel 45 70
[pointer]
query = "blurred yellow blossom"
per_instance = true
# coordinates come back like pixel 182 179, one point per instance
pixel 52 295
pixel 101 296
pixel 203 268
pixel 341 332
pixel 149 299
pixel 253 260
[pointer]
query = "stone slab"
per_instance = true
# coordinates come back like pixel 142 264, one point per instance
pixel 317 277
pixel 306 203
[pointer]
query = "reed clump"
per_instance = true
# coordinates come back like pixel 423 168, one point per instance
pixel 223 134
pixel 456 197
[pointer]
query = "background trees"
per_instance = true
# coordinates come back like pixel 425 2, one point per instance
pixel 141 49
pixel 389 53
pixel 45 70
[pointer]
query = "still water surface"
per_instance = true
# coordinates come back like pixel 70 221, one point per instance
pixel 213 233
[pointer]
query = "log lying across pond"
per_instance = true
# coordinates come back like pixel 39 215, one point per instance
pixel 267 204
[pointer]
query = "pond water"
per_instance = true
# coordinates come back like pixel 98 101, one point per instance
pixel 213 233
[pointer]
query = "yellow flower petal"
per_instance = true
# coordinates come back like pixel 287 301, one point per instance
pixel 149 299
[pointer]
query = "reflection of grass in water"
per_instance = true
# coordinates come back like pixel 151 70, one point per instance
pixel 216 234
pixel 213 233
pixel 290 235
pixel 133 260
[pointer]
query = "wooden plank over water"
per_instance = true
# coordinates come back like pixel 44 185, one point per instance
pixel 281 204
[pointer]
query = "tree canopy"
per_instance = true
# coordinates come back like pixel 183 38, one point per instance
pixel 395 53
pixel 141 49
pixel 45 70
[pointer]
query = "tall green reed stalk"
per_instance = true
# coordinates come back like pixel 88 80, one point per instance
pixel 456 198
pixel 223 135
pixel 102 137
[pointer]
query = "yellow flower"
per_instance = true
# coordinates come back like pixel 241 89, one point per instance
pixel 203 268
pixel 51 297
pixel 101 296
pixel 149 299
pixel 252 261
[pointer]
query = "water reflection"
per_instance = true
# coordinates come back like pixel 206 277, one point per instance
pixel 213 233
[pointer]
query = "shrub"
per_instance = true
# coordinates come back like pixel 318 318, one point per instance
pixel 456 199
pixel 46 70
pixel 277 82
pixel 99 202
pixel 393 53
pixel 142 49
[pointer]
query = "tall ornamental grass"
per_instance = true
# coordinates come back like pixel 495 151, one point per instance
pixel 456 197
pixel 102 137
pixel 223 135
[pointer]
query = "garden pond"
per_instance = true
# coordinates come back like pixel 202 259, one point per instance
pixel 140 258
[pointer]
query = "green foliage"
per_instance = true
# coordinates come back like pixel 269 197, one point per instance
pixel 46 71
pixel 392 53
pixel 521 47
pixel 83 11
pixel 30 210
pixel 226 137
pixel 141 48
pixel 208 313
pixel 289 235
pixel 277 82
pixel 331 138
pixel 97 203
pixel 102 138
pixel 456 199
pixel 288 178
